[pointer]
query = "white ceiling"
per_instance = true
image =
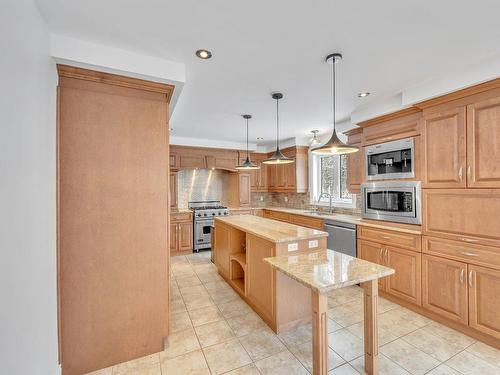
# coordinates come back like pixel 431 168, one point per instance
pixel 264 46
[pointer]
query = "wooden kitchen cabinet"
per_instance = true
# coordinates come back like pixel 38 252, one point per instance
pixel 484 302
pixel 173 191
pixel 483 144
pixel 444 150
pixel 292 177
pixel 240 190
pixel 372 252
pixel 466 215
pixel 355 162
pixel 258 177
pixel 405 282
pixel 444 287
pixel 181 232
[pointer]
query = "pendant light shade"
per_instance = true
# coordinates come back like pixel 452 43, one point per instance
pixel 278 157
pixel 334 146
pixel 247 164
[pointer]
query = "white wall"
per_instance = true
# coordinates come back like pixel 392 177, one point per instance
pixel 28 312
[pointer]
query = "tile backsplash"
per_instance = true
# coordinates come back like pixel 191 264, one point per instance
pixel 296 200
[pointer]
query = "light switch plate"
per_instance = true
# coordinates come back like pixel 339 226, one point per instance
pixel 293 246
pixel 313 244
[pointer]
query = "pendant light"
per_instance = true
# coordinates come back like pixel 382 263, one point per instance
pixel 314 140
pixel 247 164
pixel 334 146
pixel 278 157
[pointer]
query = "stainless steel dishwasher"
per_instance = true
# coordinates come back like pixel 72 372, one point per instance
pixel 341 237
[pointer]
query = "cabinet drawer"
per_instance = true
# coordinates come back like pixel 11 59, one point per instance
pixel 181 216
pixel 465 252
pixel 276 215
pixel 309 222
pixel 389 237
pixel 468 215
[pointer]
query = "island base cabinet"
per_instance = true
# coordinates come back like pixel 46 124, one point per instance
pixel 484 300
pixel 261 277
pixel 372 252
pixel 445 288
pixel 405 282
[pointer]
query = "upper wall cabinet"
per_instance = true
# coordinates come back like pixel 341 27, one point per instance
pixel 355 165
pixel 462 141
pixel 182 157
pixel 398 125
pixel 291 177
pixel 483 143
pixel 444 156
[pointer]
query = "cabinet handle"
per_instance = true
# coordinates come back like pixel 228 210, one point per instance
pixel 468 171
pixel 380 255
pixel 462 271
pixel 470 279
pixel 468 240
pixel 468 254
pixel 386 237
pixel 386 256
pixel 460 173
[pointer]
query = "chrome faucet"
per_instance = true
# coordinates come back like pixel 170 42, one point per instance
pixel 330 197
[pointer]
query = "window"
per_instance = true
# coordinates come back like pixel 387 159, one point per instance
pixel 329 177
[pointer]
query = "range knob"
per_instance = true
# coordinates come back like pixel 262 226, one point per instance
pixel 199 215
pixel 225 213
pixel 213 213
pixel 205 214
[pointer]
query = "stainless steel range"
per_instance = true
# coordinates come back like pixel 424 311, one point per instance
pixel 204 213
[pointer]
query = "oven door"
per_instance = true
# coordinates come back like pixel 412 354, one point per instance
pixel 202 233
pixel 399 202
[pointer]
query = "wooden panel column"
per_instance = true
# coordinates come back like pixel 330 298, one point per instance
pixel 371 326
pixel 319 333
pixel 113 220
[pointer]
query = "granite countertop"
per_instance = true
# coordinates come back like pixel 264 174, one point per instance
pixel 270 230
pixel 326 270
pixel 350 219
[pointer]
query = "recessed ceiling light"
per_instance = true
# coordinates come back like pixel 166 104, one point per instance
pixel 204 54
pixel 363 94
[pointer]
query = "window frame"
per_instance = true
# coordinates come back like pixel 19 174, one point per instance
pixel 315 185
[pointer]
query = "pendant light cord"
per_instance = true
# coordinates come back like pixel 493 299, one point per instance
pixel 333 92
pixel 247 137
pixel 277 125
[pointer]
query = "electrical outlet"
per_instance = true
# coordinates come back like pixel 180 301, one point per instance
pixel 293 246
pixel 313 244
pixel 261 198
pixel 285 199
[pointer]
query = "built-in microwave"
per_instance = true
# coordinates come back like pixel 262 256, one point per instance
pixel 390 160
pixel 397 201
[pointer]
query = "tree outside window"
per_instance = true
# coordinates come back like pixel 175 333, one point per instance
pixel 332 178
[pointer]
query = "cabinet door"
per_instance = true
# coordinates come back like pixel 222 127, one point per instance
pixel 222 249
pixel 444 150
pixel 405 283
pixel 484 300
pixel 173 161
pixel 260 276
pixel 192 161
pixel 185 236
pixel 290 176
pixel 174 238
pixel 280 182
pixel 355 170
pixel 444 287
pixel 271 176
pixel 483 144
pixel 466 215
pixel 173 190
pixel 372 252
pixel 244 190
pixel 263 177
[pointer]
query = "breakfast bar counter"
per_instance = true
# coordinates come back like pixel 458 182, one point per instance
pixel 241 243
pixel 323 271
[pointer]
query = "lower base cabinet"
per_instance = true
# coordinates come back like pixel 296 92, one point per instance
pixel 444 284
pixel 484 300
pixel 181 233
pixel 405 282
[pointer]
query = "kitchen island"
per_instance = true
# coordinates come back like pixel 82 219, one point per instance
pixel 323 271
pixel 240 245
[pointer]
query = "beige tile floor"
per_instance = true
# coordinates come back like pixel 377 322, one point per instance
pixel 213 332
